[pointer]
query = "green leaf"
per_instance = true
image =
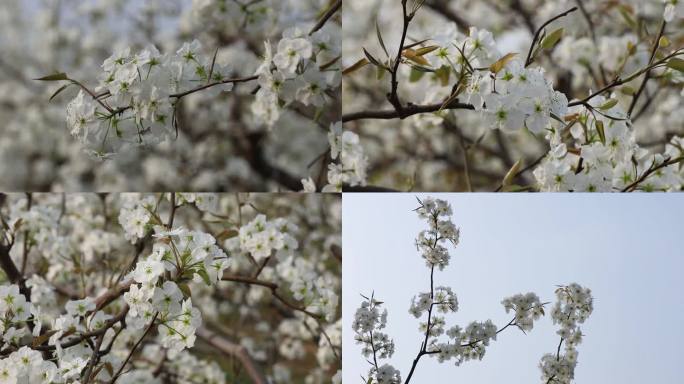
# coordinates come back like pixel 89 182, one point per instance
pixel 511 174
pixel 57 92
pixel 204 275
pixel 443 73
pixel 382 43
pixel 380 73
pixel 664 42
pixel 676 64
pixel 608 104
pixel 601 131
pixel 421 68
pixel 55 77
pixel 627 90
pixel 552 39
pixel 185 289
pixel 415 75
pixel 372 59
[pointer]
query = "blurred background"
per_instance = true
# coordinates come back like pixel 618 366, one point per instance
pixel 220 145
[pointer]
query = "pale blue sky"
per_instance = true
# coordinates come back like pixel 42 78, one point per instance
pixel 627 249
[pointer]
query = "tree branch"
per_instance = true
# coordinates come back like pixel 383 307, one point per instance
pixel 647 76
pixel 405 112
pixel 326 16
pixel 274 291
pixel 233 350
pixel 529 59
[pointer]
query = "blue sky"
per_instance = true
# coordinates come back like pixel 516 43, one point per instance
pixel 628 249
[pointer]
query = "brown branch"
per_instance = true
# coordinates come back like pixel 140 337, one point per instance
pixel 326 16
pixel 651 170
pixel 619 81
pixel 274 291
pixel 529 59
pixel 405 112
pixel 227 81
pixel 231 349
pixel 115 377
pixel 112 294
pixel 121 316
pixel 647 76
pixel 367 188
pixel 393 96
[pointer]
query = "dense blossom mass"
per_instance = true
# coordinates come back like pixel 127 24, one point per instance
pixel 138 93
pixel 121 288
pixel 133 104
pixel 461 344
pixel 176 95
pixel 591 102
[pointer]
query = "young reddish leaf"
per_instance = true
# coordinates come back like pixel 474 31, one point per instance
pixel 413 56
pixel 356 66
pixel 501 63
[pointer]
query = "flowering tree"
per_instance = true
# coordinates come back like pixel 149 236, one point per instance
pixel 573 306
pixel 572 95
pixel 202 95
pixel 182 288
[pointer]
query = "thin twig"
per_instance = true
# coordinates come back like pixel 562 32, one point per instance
pixel 406 111
pixel 529 59
pixel 115 377
pixel 326 16
pixel 647 75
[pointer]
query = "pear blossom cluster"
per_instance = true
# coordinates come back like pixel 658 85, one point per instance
pixel 466 344
pixel 134 102
pixel 618 85
pixel 462 344
pixel 387 374
pixel 603 155
pixel 573 306
pixel 444 301
pixel 317 292
pixel 514 96
pixel 673 8
pixel 441 230
pixel 188 255
pixel 527 309
pixel 369 321
pixel 298 70
pixel 134 308
pixel 134 216
pixel 191 143
pixel 263 238
pixel 351 161
pixel 15 311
